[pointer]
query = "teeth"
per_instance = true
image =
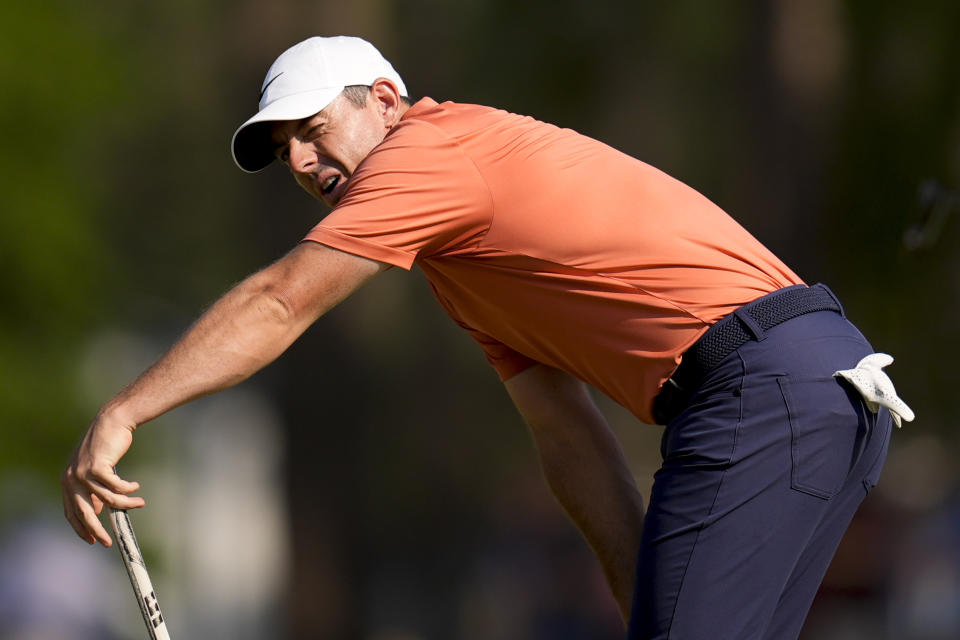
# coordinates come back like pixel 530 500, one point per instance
pixel 329 183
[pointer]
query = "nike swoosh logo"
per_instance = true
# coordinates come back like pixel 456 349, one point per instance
pixel 264 90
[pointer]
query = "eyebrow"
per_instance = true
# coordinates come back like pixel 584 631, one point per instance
pixel 302 125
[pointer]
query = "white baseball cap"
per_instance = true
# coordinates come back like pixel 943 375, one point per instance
pixel 302 81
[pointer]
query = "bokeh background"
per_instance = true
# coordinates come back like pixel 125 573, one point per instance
pixel 375 483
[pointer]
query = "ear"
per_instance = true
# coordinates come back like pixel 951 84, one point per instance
pixel 386 99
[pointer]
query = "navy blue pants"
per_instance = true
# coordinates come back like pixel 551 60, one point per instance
pixel 761 476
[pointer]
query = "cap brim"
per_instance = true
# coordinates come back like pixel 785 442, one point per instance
pixel 252 147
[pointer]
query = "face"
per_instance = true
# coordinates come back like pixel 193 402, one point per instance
pixel 323 151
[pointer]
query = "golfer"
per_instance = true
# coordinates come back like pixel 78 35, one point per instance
pixel 571 264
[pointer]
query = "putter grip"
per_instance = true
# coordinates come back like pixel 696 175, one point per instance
pixel 137 572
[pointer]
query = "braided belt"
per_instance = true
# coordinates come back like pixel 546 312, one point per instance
pixel 731 332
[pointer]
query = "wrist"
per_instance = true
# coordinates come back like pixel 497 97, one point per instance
pixel 116 414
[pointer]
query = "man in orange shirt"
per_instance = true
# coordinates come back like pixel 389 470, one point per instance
pixel 570 264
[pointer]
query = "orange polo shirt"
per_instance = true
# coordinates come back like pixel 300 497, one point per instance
pixel 548 246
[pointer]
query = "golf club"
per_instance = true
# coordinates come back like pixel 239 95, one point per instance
pixel 137 571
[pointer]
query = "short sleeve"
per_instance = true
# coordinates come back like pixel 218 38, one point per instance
pixel 502 358
pixel 416 195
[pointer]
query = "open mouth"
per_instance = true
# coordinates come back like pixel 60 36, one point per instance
pixel 329 185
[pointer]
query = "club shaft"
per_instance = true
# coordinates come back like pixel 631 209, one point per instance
pixel 137 572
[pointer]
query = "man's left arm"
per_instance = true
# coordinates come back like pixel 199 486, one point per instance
pixel 585 468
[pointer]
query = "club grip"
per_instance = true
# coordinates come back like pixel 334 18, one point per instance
pixel 137 572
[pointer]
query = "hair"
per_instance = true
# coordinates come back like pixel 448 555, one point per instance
pixel 356 94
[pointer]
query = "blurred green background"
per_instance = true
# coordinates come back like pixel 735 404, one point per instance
pixel 375 483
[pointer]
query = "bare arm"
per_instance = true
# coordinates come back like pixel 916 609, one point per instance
pixel 246 329
pixel 586 470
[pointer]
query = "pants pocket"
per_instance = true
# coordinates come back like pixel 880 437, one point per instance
pixel 704 435
pixel 828 424
pixel 885 422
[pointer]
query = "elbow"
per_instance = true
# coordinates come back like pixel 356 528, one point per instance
pixel 275 307
pixel 274 303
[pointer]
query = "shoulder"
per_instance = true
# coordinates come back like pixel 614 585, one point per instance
pixel 430 134
pixel 454 120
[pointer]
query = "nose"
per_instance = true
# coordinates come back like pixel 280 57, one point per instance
pixel 302 156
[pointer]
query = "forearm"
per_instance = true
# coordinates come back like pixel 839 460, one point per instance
pixel 242 332
pixel 586 470
pixel 588 474
pixel 245 330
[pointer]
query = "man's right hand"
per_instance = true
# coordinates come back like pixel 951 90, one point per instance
pixel 90 482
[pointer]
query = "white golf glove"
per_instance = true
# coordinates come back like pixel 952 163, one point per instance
pixel 876 388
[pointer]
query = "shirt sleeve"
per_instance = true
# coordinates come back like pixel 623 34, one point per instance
pixel 502 358
pixel 416 195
